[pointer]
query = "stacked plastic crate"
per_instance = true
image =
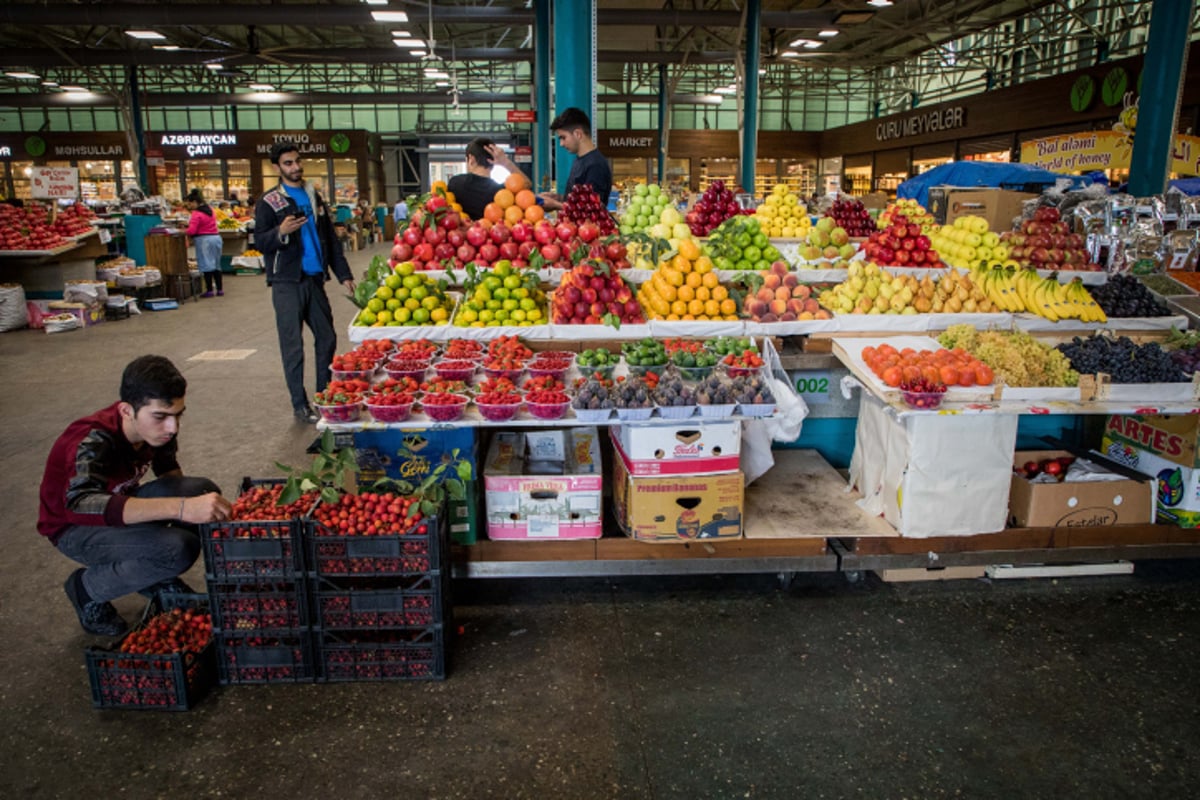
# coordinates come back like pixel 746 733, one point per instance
pixel 254 570
pixel 381 607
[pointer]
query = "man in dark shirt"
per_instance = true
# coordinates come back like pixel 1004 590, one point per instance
pixel 129 537
pixel 574 131
pixel 474 189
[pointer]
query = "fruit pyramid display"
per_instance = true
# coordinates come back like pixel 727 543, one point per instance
pixel 514 202
pixel 781 297
pixel 740 244
pixel 1018 290
pixel 406 299
pixel 782 214
pixel 73 220
pixel 967 243
pixel 851 214
pixel 869 289
pixel 593 293
pixel 1046 242
pixel 644 209
pixel 716 205
pixel 428 243
pixel 827 240
pixel 902 244
pixel 28 228
pixel 501 296
pixel 911 210
pixel 686 287
pixel 584 205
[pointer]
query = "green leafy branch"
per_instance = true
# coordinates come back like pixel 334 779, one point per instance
pixel 448 480
pixel 330 470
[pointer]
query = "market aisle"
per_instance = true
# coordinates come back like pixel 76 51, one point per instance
pixel 646 688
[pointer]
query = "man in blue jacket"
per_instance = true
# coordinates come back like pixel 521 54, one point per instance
pixel 293 229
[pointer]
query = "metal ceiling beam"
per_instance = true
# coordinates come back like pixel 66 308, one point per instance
pixel 165 15
pixel 277 99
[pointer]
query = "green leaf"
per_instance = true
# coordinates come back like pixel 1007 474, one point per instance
pixel 455 489
pixel 320 462
pixel 308 484
pixel 291 492
pixel 329 495
pixel 284 468
pixel 428 508
pixel 412 510
pixel 327 442
pixel 464 470
pixel 611 320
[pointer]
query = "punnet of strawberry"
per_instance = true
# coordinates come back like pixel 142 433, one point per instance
pixel 499 385
pixel 510 346
pixel 396 386
pixel 921 393
pixel 544 383
pixel 745 363
pixel 547 404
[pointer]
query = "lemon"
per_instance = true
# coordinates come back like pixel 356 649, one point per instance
pixel 393 304
pixel 406 269
pixel 366 317
pixel 403 315
pixel 487 315
pixel 384 293
pixel 412 304
pixel 533 315
pixel 439 315
pixel 467 315
pixel 421 316
pixel 392 281
pixel 375 305
pixel 384 317
pixel 430 303
pixel 420 292
pixel 519 315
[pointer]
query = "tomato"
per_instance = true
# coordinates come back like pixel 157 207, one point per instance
pixel 893 376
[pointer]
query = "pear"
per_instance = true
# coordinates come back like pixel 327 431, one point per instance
pixel 872 289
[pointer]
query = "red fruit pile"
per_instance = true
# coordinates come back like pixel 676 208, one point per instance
pixel 342 392
pixel 390 399
pixel 744 363
pixel 462 350
pixel 546 397
pixel 443 386
pixel 1046 242
pixel 396 386
pixel 74 220
pixel 588 210
pixel 243 607
pixel 498 398
pixel 853 216
pixel 544 383
pixel 509 346
pixel 355 361
pixel 503 362
pixel 593 293
pixel 417 350
pixel 174 631
pixel 901 244
pixel 28 229
pixel 368 514
pixel 497 386
pixel 427 241
pixel 262 503
pixel 714 207
pixel 340 610
pixel 950 367
pixel 1056 467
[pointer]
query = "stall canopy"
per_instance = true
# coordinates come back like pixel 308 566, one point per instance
pixel 1020 177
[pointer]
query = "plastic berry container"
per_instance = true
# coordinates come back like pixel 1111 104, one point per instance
pixel 555 369
pixel 498 412
pixel 717 410
pixel 548 410
pixel 695 373
pixel 635 414
pixel 555 355
pixel 641 370
pixel 923 401
pixel 387 413
pixel 593 414
pixel 455 370
pixel 406 368
pixel 676 412
pixel 445 412
pixel 511 374
pixel 757 409
pixel 342 412
pixel 352 374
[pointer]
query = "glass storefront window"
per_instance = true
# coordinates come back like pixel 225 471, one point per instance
pixel 167 179
pixel 205 175
pixel 316 172
pixel 998 157
pixel 237 174
pixel 927 164
pixel 97 181
pixel 628 171
pixel 858 180
pixel 677 174
pixel 22 178
pixel 345 177
pixel 724 169
pixel 129 175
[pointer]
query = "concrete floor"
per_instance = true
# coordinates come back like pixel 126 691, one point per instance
pixel 649 688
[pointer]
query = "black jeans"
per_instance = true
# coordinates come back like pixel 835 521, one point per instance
pixel 298 304
pixel 126 559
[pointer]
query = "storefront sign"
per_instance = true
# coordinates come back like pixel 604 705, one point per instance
pixel 1101 150
pixel 523 154
pixel 88 151
pixel 305 146
pixel 917 124
pixel 52 183
pixel 628 144
pixel 198 144
pixel 520 115
pixel 5 152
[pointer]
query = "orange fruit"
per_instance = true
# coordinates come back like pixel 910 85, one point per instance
pixel 513 215
pixel 709 280
pixel 687 294
pixel 712 308
pixel 679 308
pixel 702 293
pixel 703 264
pixel 693 279
pixel 437 185
pixel 719 292
pixel 728 306
pixel 516 181
pixel 493 213
pixel 682 264
pixel 688 317
pixel 526 198
pixel 689 249
pixel 696 308
pixel 504 198
pixel 535 213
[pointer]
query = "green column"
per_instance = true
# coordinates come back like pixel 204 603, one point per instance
pixel 543 142
pixel 574 68
pixel 1158 107
pixel 750 99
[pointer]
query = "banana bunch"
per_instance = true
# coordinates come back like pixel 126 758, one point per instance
pixel 1024 290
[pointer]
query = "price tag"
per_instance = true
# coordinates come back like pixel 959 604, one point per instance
pixel 105 236
pixel 814 386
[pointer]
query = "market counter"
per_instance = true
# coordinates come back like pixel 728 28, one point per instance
pixel 44 274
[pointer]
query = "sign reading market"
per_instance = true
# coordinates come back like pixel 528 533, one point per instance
pixel 1101 150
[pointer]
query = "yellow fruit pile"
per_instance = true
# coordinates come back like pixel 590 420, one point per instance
pixel 782 214
pixel 685 287
pixel 406 298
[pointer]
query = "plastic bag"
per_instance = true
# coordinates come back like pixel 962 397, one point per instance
pixel 784 426
pixel 86 292
pixel 13 311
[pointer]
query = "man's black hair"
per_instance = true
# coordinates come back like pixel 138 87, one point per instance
pixel 149 378
pixel 478 150
pixel 572 119
pixel 279 148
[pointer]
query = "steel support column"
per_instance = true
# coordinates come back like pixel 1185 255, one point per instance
pixel 139 133
pixel 750 96
pixel 574 68
pixel 543 142
pixel 1162 85
pixel 662 122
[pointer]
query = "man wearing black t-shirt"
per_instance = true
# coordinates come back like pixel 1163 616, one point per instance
pixel 474 189
pixel 574 131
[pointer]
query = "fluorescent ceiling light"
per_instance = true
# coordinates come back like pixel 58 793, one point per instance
pixel 402 34
pixel 376 2
pixel 726 90
pixel 23 76
pixel 712 98
pixel 441 83
pixel 74 88
pixel 166 47
pixel 389 16
pixel 411 44
pixel 50 84
pixel 762 72
pixel 804 43
pixel 418 53
pixel 789 54
pixel 827 34
pixel 879 3
pixel 214 67
pixel 149 35
pixel 813 45
pixel 262 87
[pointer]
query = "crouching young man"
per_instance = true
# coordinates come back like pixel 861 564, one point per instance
pixel 130 537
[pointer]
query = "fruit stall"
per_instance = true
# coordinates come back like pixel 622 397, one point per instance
pixel 44 246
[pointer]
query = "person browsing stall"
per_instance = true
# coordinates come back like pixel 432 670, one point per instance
pixel 574 132
pixel 293 229
pixel 474 189
pixel 202 228
pixel 130 537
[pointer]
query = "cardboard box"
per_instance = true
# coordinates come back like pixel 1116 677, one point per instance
pixel 89 314
pixel 412 454
pixel 1164 447
pixel 680 508
pixel 997 206
pixel 695 447
pixel 1077 504
pixel 875 200
pixel 544 485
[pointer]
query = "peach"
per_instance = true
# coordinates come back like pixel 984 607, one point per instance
pixel 766 295
pixel 795 306
pixel 772 281
pixel 783 293
pixel 756 308
pixel 791 280
pixel 769 318
pixel 802 292
pixel 779 268
pixel 812 305
pixel 822 314
pixel 787 317
pixel 778 307
pixel 805 315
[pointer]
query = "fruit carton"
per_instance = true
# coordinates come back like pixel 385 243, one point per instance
pixel 544 485
pixel 257 658
pixel 366 605
pixel 678 508
pixel 167 682
pixel 997 206
pixel 695 447
pixel 1073 504
pixel 1166 447
pixel 382 655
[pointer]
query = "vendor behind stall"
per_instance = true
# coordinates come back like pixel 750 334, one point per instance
pixel 202 228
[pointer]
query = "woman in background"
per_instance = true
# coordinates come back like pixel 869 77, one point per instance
pixel 202 228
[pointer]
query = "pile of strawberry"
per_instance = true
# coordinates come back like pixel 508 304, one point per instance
pixel 174 631
pixel 338 393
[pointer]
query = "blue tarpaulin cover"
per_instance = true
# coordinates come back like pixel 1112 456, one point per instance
pixel 1189 186
pixel 977 173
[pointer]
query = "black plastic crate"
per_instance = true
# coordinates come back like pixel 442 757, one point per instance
pixel 241 608
pixel 342 556
pixel 381 656
pixel 379 604
pixel 169 682
pixel 253 549
pixel 265 658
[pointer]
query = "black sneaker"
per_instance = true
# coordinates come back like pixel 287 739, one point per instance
pixel 173 586
pixel 99 618
pixel 308 415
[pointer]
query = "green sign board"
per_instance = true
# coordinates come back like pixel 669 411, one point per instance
pixel 1116 83
pixel 35 146
pixel 1082 93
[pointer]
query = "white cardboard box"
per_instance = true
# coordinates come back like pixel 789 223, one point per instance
pixel 694 447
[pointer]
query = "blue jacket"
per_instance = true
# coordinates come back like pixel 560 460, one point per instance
pixel 284 254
